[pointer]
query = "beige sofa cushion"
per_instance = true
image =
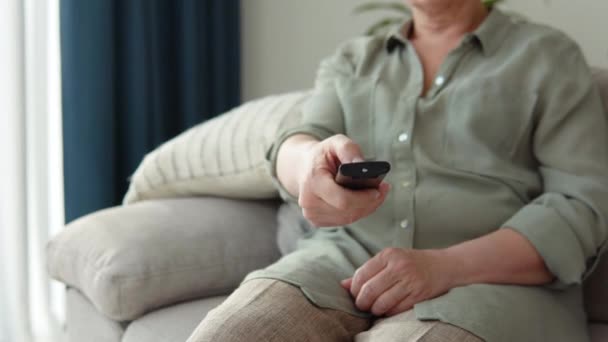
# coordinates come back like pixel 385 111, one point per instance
pixel 598 332
pixel 223 156
pixel 174 323
pixel 134 259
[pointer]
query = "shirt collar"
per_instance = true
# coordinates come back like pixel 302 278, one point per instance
pixel 490 34
pixel 397 37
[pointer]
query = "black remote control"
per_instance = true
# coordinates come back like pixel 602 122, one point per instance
pixel 362 175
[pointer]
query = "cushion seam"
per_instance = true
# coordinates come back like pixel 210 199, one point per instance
pixel 105 273
pixel 219 175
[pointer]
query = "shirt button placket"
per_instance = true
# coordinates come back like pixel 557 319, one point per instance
pixel 405 176
pixel 439 81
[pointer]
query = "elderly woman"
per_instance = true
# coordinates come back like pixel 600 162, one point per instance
pixel 493 215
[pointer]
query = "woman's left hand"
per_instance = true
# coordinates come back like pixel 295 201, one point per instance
pixel 396 279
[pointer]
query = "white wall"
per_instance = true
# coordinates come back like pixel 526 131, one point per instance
pixel 284 40
pixel 584 20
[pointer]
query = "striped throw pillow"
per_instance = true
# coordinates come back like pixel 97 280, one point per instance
pixel 221 157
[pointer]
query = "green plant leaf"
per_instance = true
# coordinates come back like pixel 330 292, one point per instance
pixel 383 25
pixel 375 6
pixel 490 3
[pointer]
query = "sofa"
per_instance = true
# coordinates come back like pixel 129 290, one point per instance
pixel 151 270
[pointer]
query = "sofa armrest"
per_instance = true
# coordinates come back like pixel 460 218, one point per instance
pixel 133 259
pixel 596 292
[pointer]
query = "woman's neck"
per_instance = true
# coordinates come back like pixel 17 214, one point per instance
pixel 435 20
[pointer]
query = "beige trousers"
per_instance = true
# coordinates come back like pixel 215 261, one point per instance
pixel 271 310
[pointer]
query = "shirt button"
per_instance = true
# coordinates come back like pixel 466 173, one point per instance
pixel 405 184
pixel 439 81
pixel 404 224
pixel 403 137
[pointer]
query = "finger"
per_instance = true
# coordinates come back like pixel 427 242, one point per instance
pixel 346 149
pixel 382 191
pixel 326 221
pixel 384 188
pixel 364 273
pixel 346 283
pixel 374 206
pixel 389 299
pixel 365 212
pixel 323 215
pixel 320 189
pixel 334 217
pixel 318 205
pixel 326 188
pixel 374 288
pixel 406 304
pixel 309 200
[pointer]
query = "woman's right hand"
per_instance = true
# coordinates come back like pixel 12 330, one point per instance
pixel 310 167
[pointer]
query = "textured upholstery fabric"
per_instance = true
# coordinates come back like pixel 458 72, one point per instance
pixel 291 226
pixel 596 287
pixel 601 77
pixel 271 310
pixel 274 311
pixel 596 292
pixel 85 323
pixel 172 324
pixel 130 260
pixel 223 156
pixel 598 332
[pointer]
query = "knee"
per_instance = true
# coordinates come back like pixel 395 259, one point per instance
pixel 240 325
pixel 448 333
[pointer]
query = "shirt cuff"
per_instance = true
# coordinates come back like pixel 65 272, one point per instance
pixel 554 240
pixel 272 153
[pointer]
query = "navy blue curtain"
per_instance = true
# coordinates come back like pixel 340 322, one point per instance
pixel 136 73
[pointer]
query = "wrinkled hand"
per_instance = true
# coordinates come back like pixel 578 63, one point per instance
pixel 325 203
pixel 396 279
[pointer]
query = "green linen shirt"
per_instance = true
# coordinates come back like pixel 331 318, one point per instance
pixel 511 134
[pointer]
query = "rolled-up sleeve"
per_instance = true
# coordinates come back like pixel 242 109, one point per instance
pixel 322 114
pixel 567 224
